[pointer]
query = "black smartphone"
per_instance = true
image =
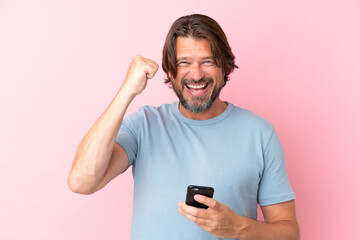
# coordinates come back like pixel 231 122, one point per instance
pixel 192 190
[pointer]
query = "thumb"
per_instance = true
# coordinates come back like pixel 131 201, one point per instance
pixel 150 75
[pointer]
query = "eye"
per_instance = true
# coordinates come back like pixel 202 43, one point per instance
pixel 208 63
pixel 183 63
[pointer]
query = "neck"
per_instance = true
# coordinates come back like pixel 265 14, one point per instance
pixel 217 108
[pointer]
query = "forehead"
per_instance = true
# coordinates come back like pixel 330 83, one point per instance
pixel 189 47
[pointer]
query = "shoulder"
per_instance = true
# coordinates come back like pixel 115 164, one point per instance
pixel 250 119
pixel 152 111
pixel 148 113
pixel 251 126
pixel 162 109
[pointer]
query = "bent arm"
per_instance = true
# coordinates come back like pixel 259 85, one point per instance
pixel 280 224
pixel 219 220
pixel 98 158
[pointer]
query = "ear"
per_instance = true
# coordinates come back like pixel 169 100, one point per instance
pixel 223 81
pixel 169 76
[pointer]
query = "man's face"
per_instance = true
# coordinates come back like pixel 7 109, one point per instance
pixel 198 81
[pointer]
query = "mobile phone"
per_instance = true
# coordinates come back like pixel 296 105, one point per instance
pixel 192 190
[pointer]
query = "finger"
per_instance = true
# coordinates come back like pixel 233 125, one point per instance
pixel 150 74
pixel 193 211
pixel 210 202
pixel 199 221
pixel 151 70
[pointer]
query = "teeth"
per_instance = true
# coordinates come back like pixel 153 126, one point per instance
pixel 196 86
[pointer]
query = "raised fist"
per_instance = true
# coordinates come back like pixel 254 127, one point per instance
pixel 141 69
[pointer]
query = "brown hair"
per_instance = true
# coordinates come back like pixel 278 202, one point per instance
pixel 198 26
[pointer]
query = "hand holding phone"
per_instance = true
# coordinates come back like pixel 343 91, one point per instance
pixel 192 190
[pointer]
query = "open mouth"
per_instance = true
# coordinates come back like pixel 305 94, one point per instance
pixel 197 90
pixel 197 87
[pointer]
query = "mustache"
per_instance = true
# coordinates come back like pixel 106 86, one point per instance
pixel 192 81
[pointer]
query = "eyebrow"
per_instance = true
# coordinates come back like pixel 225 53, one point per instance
pixel 187 58
pixel 182 58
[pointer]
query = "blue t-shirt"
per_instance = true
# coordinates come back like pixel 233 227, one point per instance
pixel 237 153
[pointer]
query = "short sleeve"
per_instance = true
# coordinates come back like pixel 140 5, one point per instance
pixel 274 184
pixel 126 137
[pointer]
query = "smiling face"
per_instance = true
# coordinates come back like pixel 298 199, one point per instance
pixel 199 80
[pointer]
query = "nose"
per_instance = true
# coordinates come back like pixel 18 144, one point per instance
pixel 196 72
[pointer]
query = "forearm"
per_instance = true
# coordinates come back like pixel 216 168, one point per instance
pixel 250 229
pixel 94 151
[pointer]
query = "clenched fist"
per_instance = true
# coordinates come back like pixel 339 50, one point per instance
pixel 141 69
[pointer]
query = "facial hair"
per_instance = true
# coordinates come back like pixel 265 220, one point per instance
pixel 198 104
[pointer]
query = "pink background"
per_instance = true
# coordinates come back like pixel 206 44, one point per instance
pixel 61 63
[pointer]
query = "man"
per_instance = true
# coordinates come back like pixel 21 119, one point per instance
pixel 199 140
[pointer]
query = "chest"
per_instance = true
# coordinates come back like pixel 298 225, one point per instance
pixel 201 156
